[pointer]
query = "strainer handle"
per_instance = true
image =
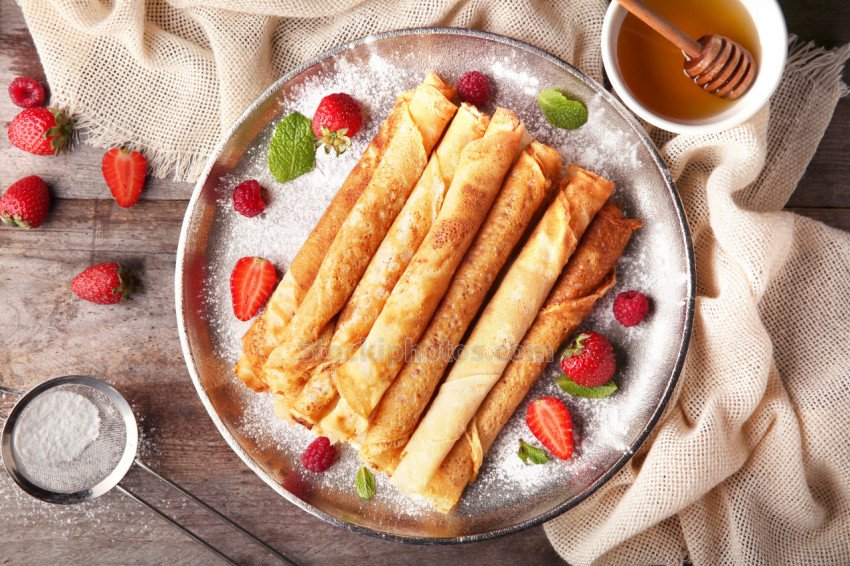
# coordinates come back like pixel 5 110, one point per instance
pixel 206 506
pixel 197 538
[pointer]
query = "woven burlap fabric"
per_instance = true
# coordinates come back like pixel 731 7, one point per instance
pixel 751 462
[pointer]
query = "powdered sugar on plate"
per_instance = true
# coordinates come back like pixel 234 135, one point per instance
pixel 654 263
pixel 294 208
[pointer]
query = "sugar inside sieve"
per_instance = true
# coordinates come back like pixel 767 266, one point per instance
pixel 54 463
pixel 74 438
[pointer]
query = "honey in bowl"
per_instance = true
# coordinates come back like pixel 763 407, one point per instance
pixel 652 67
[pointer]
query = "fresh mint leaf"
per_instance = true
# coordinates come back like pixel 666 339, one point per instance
pixel 364 483
pixel 291 151
pixel 577 390
pixel 560 111
pixel 531 454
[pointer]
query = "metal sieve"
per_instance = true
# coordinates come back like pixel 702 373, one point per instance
pixel 100 465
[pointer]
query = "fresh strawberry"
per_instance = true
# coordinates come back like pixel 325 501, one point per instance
pixel 42 131
pixel 251 283
pixel 474 87
pixel 335 122
pixel 26 92
pixel 104 284
pixel 25 203
pixel 589 361
pixel 248 198
pixel 124 172
pixel 549 420
pixel 630 308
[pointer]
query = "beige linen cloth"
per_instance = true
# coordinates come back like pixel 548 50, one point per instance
pixel 751 463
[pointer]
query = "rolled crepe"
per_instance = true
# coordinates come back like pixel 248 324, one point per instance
pixel 532 178
pixel 362 380
pixel 343 424
pixel 587 277
pixel 267 330
pixel 501 327
pixel 389 262
pixel 420 127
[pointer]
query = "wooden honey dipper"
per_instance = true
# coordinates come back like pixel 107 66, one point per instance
pixel 714 62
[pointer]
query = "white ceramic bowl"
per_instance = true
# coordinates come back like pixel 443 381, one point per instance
pixel 773 50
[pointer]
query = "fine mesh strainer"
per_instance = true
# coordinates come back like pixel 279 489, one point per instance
pixel 100 465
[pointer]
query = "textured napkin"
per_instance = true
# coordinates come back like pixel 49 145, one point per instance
pixel 751 462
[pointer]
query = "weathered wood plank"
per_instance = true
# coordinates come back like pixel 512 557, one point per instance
pixel 826 182
pixel 822 21
pixel 116 530
pixel 835 217
pixel 75 174
pixel 49 330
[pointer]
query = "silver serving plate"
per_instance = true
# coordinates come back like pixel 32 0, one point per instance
pixel 507 496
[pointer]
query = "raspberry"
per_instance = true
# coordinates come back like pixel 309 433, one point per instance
pixel 474 88
pixel 319 456
pixel 248 198
pixel 26 92
pixel 630 307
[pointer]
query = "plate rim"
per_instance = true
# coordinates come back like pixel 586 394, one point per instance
pixel 558 510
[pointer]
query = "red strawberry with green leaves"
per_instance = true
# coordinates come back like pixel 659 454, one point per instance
pixel 124 172
pixel 25 203
pixel 589 360
pixel 42 131
pixel 104 284
pixel 252 281
pixel 337 118
pixel 549 420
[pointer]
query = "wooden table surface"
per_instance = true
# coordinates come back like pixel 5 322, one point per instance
pixel 47 332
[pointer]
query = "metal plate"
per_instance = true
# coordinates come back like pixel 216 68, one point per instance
pixel 507 496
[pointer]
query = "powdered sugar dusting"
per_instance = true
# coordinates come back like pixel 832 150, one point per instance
pixel 259 424
pixel 293 208
pixel 605 428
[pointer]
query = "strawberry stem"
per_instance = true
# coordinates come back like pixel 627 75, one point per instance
pixel 126 284
pixel 576 348
pixel 60 134
pixel 336 140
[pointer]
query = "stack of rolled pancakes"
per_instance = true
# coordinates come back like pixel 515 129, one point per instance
pixel 361 330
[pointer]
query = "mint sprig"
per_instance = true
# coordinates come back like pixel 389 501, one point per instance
pixel 576 390
pixel 364 483
pixel 560 111
pixel 291 151
pixel 531 454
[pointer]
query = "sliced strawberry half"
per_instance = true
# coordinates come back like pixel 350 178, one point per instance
pixel 251 283
pixel 549 420
pixel 124 172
